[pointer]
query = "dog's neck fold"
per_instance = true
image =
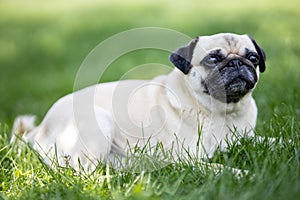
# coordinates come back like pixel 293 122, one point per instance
pixel 176 88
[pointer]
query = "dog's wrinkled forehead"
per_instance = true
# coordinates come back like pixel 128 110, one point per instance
pixel 224 43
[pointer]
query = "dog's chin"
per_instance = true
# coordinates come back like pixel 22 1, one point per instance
pixel 237 90
pixel 230 88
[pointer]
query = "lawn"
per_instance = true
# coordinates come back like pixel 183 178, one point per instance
pixel 44 43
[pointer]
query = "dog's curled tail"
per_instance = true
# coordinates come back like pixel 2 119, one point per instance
pixel 22 125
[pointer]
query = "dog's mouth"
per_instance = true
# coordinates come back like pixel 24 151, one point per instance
pixel 229 84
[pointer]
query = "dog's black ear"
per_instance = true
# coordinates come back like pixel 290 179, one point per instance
pixel 261 54
pixel 182 57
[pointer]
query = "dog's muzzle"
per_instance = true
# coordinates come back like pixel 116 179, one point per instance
pixel 231 81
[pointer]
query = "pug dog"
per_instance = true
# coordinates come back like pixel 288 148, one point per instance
pixel 199 107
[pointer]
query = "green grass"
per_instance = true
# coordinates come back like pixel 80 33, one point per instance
pixel 42 44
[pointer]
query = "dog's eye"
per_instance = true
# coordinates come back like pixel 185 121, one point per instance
pixel 254 59
pixel 212 60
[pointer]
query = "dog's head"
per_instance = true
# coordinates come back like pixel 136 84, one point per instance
pixel 224 66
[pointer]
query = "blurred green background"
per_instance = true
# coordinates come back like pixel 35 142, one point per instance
pixel 43 43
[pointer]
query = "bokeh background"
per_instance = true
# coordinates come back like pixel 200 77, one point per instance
pixel 43 43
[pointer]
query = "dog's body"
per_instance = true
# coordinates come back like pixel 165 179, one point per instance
pixel 195 108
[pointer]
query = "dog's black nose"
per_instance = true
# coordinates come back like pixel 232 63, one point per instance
pixel 235 63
